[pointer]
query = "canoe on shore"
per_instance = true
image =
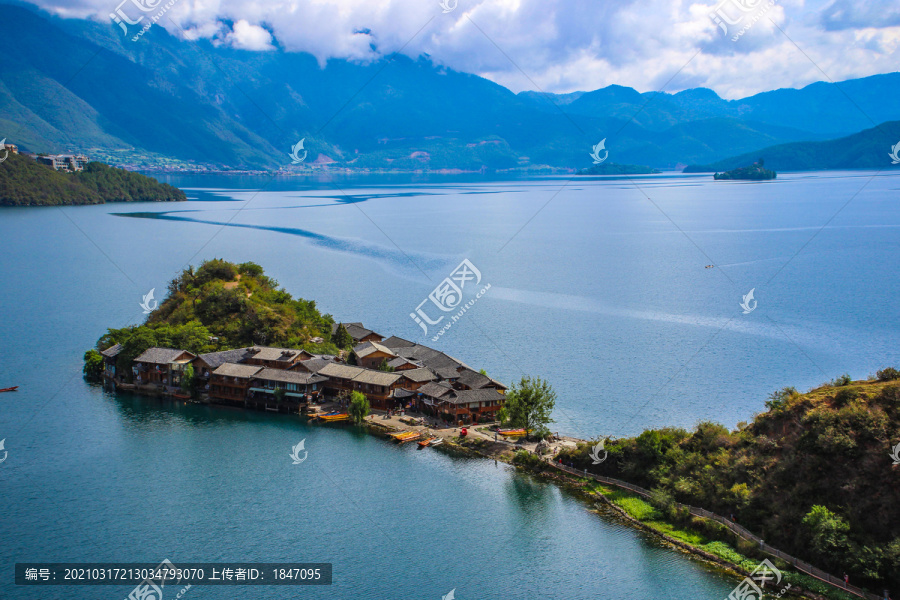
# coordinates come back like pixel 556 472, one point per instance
pixel 427 442
pixel 406 436
pixel 512 432
pixel 10 389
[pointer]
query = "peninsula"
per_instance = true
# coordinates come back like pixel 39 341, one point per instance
pixel 754 172
pixel 53 180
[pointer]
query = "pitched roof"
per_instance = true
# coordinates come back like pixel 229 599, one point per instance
pixel 314 365
pixel 112 351
pixel 374 377
pixel 215 359
pixel 277 354
pixel 235 370
pixel 435 389
pixel 418 375
pixel 340 371
pixel 446 372
pixel 398 362
pixel 397 342
pixel 283 376
pixel 161 356
pixel 367 348
pixel 356 330
pixel 482 395
pixel 402 393
pixel 472 379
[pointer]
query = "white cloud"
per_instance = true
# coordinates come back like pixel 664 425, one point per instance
pixel 564 45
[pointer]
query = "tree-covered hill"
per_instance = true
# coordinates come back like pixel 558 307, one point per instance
pixel 25 182
pixel 236 303
pixel 813 475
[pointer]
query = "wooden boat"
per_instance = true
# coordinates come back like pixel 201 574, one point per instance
pixel 436 442
pixel 335 416
pixel 426 442
pixel 10 389
pixel 406 436
pixel 512 432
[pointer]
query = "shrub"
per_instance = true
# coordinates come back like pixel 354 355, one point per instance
pixel 842 380
pixel 845 396
pixel 888 374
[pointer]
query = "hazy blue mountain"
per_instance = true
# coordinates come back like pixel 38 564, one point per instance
pixel 70 84
pixel 869 149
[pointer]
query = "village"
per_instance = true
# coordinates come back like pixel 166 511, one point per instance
pixel 399 378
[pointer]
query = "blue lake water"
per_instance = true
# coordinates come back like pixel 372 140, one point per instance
pixel 598 285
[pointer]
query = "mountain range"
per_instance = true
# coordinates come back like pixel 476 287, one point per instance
pixel 79 85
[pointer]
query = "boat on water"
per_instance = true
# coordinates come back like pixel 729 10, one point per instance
pixel 10 389
pixel 335 416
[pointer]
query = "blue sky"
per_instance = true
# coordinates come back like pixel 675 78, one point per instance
pixel 563 45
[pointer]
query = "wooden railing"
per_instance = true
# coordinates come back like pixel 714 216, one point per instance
pixel 737 530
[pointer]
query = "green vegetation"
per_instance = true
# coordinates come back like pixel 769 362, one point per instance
pixel 188 385
pixel 93 365
pixel 359 407
pixel 617 169
pixel 25 182
pixel 812 475
pixel 754 172
pixel 529 404
pixel 384 366
pixel 237 303
pixel 341 338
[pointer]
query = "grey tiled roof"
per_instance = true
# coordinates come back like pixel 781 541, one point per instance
pixel 397 342
pixel 214 359
pixel 112 351
pixel 418 375
pixel 435 389
pixel 482 395
pixel 161 356
pixel 235 370
pixel 473 380
pixel 367 348
pixel 282 376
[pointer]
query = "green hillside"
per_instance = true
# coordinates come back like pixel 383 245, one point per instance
pixel 25 182
pixel 868 149
pixel 236 303
pixel 813 475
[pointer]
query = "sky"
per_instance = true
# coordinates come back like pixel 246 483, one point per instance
pixel 560 45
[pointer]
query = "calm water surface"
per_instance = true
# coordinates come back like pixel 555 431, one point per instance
pixel 600 290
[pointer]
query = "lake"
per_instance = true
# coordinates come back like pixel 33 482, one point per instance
pixel 599 285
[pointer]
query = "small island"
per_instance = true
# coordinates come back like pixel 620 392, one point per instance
pixel 755 172
pixel 617 169
pixel 71 179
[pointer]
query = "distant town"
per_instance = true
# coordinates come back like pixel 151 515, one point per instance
pixel 60 162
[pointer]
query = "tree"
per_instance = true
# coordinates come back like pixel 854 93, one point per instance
pixel 341 338
pixel 828 532
pixel 187 380
pixel 529 405
pixel 279 394
pixel 93 365
pixel 359 407
pixel 384 366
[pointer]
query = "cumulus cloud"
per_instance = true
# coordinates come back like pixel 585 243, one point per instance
pixel 566 45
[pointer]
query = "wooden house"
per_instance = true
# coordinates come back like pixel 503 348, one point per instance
pixel 371 355
pixel 275 358
pixel 229 383
pixel 161 366
pixel 358 332
pixel 300 387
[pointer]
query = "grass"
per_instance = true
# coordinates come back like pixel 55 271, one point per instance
pixel 636 507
